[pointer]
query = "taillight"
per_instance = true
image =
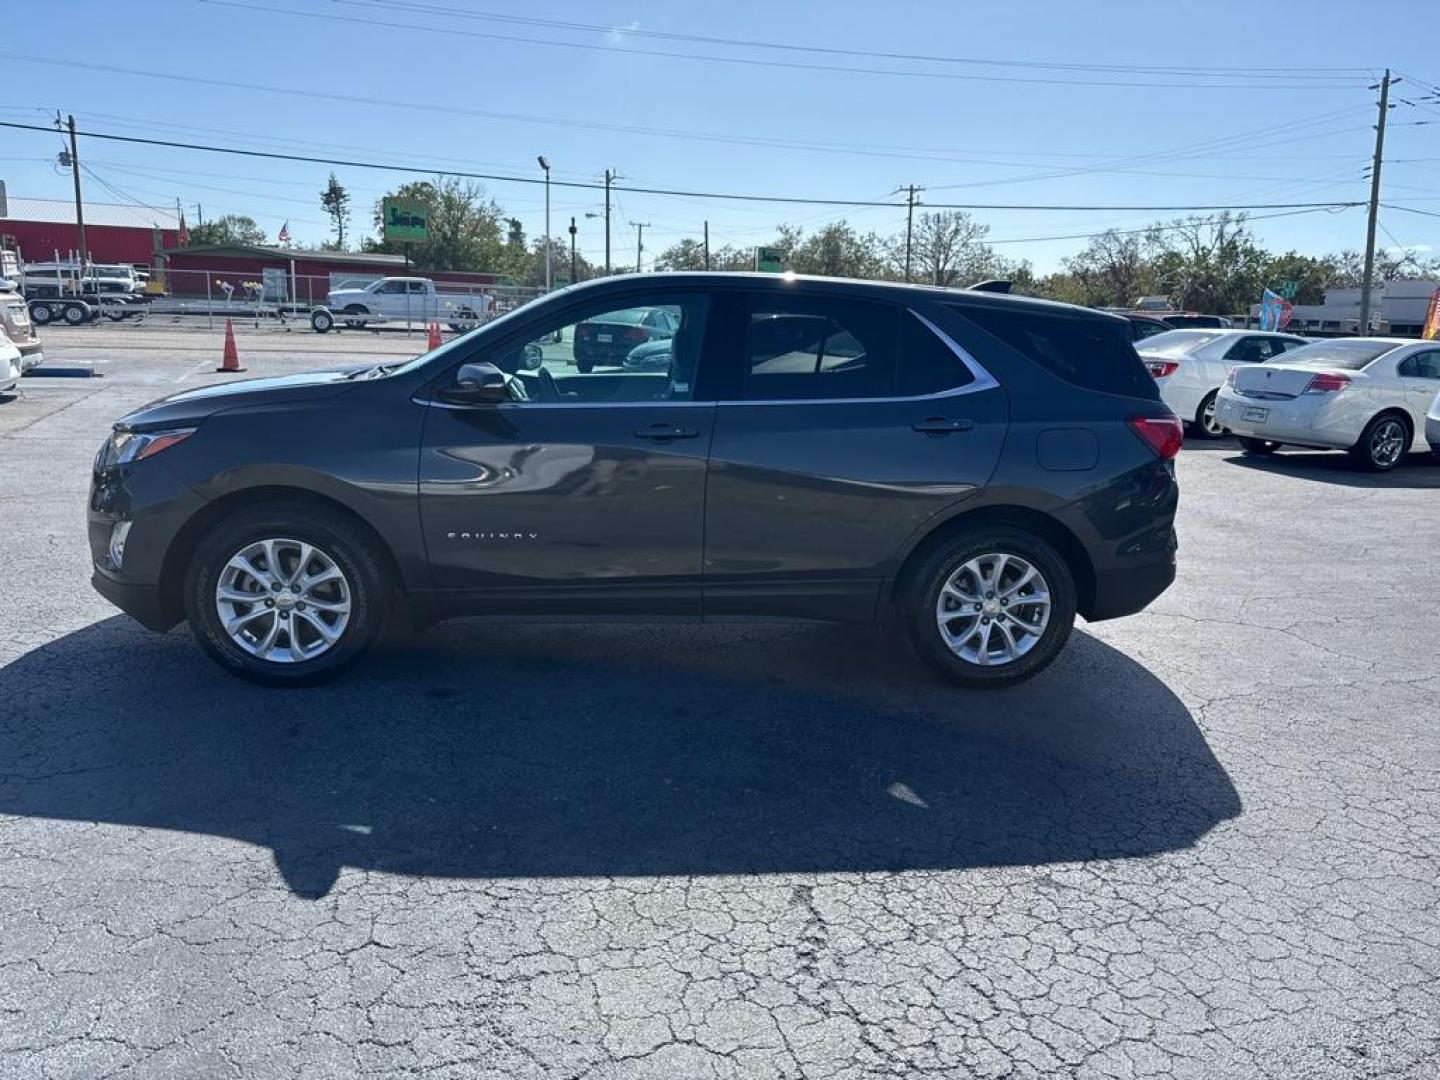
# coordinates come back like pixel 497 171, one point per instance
pixel 635 333
pixel 1163 434
pixel 1160 368
pixel 1327 384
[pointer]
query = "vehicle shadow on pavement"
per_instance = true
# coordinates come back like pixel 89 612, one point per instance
pixel 1417 470
pixel 490 751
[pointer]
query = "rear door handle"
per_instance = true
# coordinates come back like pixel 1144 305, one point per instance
pixel 940 425
pixel 662 431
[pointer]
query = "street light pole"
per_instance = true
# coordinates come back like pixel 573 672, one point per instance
pixel 574 276
pixel 639 244
pixel 609 176
pixel 549 270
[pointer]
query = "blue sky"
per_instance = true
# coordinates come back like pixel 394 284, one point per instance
pixel 1292 127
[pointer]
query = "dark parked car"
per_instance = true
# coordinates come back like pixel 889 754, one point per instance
pixel 971 467
pixel 1144 326
pixel 607 339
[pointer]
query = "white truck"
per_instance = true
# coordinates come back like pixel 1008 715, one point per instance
pixel 413 299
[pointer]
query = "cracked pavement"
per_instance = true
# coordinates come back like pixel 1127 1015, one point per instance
pixel 1205 843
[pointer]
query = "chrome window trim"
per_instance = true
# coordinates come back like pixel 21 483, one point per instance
pixel 981 380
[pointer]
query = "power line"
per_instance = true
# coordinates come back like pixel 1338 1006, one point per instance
pixel 1150 228
pixel 1255 82
pixel 1411 210
pixel 819 49
pixel 677 192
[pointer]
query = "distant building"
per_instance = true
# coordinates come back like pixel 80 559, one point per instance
pixel 45 229
pixel 1397 308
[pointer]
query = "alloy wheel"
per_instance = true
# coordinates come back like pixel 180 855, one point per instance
pixel 283 600
pixel 993 609
pixel 1387 443
pixel 1208 421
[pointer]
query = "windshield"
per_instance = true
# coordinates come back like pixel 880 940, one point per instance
pixel 1351 355
pixel 1177 342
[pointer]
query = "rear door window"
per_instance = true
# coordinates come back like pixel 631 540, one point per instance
pixel 819 350
pixel 1094 353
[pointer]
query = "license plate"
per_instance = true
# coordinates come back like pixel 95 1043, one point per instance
pixel 1254 415
pixel 604 339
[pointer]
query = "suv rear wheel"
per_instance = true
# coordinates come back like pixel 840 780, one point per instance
pixel 991 607
pixel 286 595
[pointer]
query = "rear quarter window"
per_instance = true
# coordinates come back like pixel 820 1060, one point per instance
pixel 1093 353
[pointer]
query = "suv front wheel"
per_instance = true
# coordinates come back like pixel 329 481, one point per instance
pixel 991 607
pixel 286 595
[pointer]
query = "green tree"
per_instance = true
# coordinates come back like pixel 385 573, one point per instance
pixel 336 201
pixel 835 250
pixel 689 254
pixel 230 229
pixel 1211 265
pixel 1113 270
pixel 464 226
pixel 1311 275
pixel 947 248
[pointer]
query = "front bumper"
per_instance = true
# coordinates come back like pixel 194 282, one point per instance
pixel 157 504
pixel 143 603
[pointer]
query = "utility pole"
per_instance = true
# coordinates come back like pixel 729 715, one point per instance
pixel 79 208
pixel 909 225
pixel 609 176
pixel 707 245
pixel 1369 279
pixel 639 243
pixel 574 277
pixel 549 270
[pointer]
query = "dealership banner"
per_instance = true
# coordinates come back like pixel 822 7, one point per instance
pixel 1431 330
pixel 1275 311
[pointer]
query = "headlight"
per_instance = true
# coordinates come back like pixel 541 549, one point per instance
pixel 124 447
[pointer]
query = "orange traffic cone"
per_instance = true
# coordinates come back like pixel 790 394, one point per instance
pixel 432 340
pixel 231 361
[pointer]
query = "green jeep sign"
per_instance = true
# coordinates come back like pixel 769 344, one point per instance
pixel 405 219
pixel 768 260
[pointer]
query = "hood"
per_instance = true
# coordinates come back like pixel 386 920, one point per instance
pixel 192 405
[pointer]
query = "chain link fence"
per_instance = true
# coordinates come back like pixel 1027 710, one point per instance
pixel 205 297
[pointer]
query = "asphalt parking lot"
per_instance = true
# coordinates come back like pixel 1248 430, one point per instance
pixel 1205 843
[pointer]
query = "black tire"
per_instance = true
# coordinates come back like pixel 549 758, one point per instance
pixel 356 309
pixel 1205 417
pixel 1258 447
pixel 75 314
pixel 321 321
pixel 922 598
pixel 1373 450
pixel 337 539
pixel 40 314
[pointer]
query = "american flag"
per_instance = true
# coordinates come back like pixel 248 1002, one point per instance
pixel 285 233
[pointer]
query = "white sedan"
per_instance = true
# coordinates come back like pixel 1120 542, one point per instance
pixel 1190 366
pixel 1365 395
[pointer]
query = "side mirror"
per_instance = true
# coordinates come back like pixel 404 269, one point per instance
pixel 534 357
pixel 477 384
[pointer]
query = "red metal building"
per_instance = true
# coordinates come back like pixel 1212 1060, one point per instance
pixel 114 232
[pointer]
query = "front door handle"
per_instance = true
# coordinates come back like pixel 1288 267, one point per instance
pixel 941 425
pixel 662 431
